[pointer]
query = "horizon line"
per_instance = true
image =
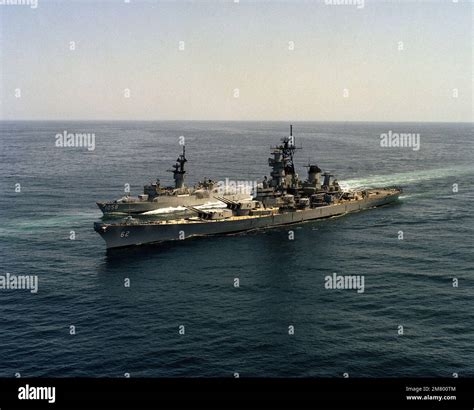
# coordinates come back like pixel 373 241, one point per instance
pixel 226 120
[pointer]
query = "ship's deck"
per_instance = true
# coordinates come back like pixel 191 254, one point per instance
pixel 372 194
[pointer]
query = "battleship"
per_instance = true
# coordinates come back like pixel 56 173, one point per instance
pixel 156 197
pixel 283 199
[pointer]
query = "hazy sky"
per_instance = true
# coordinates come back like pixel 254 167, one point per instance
pixel 237 45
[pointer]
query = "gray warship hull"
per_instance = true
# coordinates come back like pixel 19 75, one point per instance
pixel 136 207
pixel 130 234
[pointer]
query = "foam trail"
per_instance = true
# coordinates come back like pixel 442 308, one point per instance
pixel 169 210
pixel 31 225
pixel 403 178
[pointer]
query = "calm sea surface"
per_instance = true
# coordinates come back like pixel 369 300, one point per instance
pixel 134 330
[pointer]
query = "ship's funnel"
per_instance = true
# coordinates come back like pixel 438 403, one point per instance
pixel 314 173
pixel 327 178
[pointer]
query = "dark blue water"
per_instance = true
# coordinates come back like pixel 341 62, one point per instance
pixel 135 330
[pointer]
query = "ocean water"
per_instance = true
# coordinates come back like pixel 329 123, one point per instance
pixel 134 330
